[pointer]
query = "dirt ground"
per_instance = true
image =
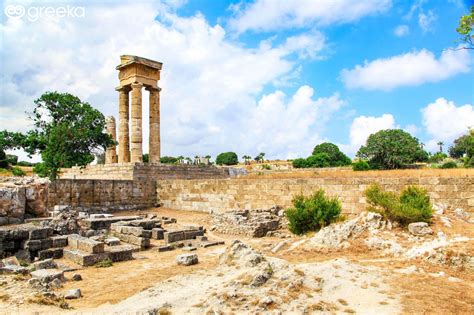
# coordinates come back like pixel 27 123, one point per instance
pixel 418 293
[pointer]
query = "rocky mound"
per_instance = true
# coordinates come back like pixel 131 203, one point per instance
pixel 254 223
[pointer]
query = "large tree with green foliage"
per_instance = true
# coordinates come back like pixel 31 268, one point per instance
pixel 335 156
pixel 66 132
pixel 227 158
pixel 461 146
pixel 391 149
pixel 466 23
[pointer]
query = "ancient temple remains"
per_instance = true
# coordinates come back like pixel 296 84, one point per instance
pixel 136 73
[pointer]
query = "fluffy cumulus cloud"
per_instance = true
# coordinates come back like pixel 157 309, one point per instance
pixel 267 15
pixel 363 126
pixel 210 84
pixel 401 30
pixel 444 121
pixel 293 123
pixel 410 69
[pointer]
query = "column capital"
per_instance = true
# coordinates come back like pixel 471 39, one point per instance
pixel 125 88
pixel 153 88
pixel 136 85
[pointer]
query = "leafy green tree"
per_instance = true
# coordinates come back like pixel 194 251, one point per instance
pixel 461 146
pixel 391 149
pixel 466 23
pixel 227 158
pixel 246 159
pixel 146 158
pixel 66 133
pixel 12 159
pixel 336 157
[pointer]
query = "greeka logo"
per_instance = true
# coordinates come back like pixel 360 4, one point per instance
pixel 34 13
pixel 15 11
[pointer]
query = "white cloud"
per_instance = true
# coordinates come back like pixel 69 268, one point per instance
pixel 426 21
pixel 401 30
pixel 409 69
pixel 363 126
pixel 266 15
pixel 292 124
pixel 209 83
pixel 444 121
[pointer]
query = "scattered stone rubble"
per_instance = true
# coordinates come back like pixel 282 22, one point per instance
pixel 255 223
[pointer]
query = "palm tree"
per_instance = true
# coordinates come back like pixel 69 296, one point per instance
pixel 247 159
pixel 440 146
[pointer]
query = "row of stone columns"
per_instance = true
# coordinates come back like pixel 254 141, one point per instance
pixel 131 138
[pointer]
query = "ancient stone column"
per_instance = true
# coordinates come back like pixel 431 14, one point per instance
pixel 124 136
pixel 154 150
pixel 136 152
pixel 111 153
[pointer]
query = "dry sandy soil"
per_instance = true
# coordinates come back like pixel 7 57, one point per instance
pixel 351 280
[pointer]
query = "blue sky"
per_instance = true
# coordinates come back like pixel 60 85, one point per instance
pixel 272 76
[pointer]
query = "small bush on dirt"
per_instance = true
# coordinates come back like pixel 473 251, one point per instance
pixel 360 166
pixel 450 164
pixel 16 171
pixel 312 213
pixel 412 205
pixel 266 167
pixel 104 263
pixel 299 163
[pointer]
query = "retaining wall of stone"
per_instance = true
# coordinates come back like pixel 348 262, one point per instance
pixel 229 194
pixel 107 195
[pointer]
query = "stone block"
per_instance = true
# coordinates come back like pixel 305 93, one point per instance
pixel 45 264
pixel 142 242
pixel 59 241
pixel 173 236
pixel 112 241
pixel 187 259
pixel 157 234
pixel 84 259
pixel 132 230
pixel 165 248
pixel 35 245
pixel 48 275
pixel 191 234
pixel 147 224
pixel 85 244
pixel 120 253
pixel 55 253
pixel 40 233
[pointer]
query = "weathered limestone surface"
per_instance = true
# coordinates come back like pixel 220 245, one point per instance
pixel 124 140
pixel 111 153
pixel 222 195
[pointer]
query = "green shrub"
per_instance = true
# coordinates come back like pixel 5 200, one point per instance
pixel 299 163
pixel 266 167
pixel 227 158
pixel 12 159
pixel 318 160
pixel 449 164
pixel 104 263
pixel 469 162
pixel 312 213
pixel 360 166
pixel 16 171
pixel 41 170
pixel 412 205
pixel 437 157
pixel 168 160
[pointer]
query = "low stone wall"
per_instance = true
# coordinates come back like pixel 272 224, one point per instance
pixel 107 195
pixel 241 193
pixel 145 171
